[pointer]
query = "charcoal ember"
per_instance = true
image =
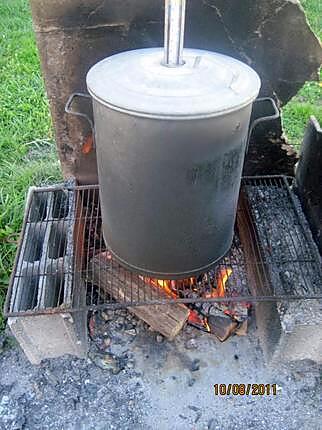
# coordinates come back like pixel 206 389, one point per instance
pixel 197 320
pixel 237 310
pixel 122 312
pixel 99 331
pixel 284 234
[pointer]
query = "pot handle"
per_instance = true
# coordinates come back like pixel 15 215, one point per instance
pixel 264 109
pixel 71 111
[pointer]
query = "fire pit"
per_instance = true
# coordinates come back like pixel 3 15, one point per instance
pixel 273 259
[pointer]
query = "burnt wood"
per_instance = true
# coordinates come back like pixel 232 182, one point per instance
pixel 258 280
pixel 242 329
pixel 222 326
pixel 309 178
pixel 166 319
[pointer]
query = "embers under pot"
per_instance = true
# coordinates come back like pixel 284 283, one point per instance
pixel 170 145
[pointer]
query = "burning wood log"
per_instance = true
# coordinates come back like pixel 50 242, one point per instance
pixel 166 319
pixel 222 326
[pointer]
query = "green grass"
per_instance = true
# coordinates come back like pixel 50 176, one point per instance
pixel 308 101
pixel 27 150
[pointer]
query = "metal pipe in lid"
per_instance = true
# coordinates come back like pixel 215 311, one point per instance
pixel 175 11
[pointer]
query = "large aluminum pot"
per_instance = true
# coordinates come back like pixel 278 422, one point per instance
pixel 170 147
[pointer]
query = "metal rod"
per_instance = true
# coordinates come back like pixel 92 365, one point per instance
pixel 174 32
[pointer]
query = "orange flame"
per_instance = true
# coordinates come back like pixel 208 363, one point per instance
pixel 207 325
pixel 197 321
pixel 170 286
pixel 221 280
pixel 166 285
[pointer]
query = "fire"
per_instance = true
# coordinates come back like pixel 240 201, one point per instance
pixel 171 287
pixel 167 285
pixel 207 325
pixel 221 280
pixel 195 320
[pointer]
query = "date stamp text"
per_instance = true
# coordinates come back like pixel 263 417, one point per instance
pixel 245 389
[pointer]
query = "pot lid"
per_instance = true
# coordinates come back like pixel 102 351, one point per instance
pixel 207 84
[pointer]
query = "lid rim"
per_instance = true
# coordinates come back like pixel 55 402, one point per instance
pixel 160 115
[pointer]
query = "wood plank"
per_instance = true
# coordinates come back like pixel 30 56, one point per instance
pixel 167 319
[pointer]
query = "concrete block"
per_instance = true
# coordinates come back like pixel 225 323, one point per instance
pixel 290 331
pixel 50 336
pixel 46 278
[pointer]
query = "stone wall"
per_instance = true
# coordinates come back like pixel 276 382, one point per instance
pixel 270 35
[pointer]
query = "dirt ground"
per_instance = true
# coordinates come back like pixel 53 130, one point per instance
pixel 134 379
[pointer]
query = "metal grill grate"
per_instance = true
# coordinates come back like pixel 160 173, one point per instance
pixel 62 263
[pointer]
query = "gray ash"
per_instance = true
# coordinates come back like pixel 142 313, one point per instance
pixel 286 241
